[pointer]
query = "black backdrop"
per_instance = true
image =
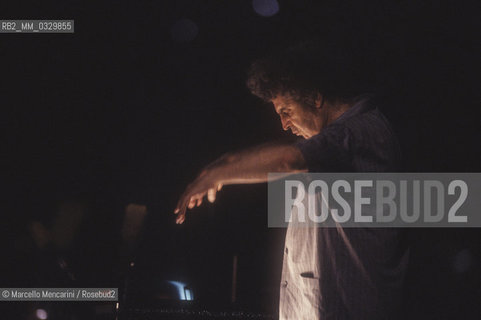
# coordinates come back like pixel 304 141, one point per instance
pixel 124 111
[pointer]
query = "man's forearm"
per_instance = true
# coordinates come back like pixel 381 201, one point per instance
pixel 253 165
pixel 249 166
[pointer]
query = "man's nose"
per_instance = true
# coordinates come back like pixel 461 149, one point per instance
pixel 285 124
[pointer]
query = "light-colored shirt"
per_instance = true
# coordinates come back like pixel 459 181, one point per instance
pixel 346 273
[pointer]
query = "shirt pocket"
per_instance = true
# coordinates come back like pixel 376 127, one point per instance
pixel 309 288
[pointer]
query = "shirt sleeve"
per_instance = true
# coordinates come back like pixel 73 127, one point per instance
pixel 328 151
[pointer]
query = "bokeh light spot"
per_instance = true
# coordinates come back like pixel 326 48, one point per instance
pixel 41 314
pixel 265 8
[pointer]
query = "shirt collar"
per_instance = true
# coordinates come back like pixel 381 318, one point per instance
pixel 361 105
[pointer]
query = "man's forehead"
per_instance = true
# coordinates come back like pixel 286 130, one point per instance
pixel 281 98
pixel 280 101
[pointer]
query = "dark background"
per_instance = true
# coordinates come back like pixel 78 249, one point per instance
pixel 133 104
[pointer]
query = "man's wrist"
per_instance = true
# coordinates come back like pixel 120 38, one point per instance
pixel 214 176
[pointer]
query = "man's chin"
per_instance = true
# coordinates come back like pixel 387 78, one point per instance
pixel 297 133
pixel 305 136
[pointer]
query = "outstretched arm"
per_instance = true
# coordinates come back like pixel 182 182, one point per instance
pixel 248 166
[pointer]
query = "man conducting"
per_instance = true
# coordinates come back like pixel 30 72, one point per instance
pixel 328 273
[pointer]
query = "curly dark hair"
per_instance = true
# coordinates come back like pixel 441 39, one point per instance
pixel 302 72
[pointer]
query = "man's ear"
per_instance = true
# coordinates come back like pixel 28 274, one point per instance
pixel 319 102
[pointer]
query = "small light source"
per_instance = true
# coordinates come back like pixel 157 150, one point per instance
pixel 184 292
pixel 265 8
pixel 117 306
pixel 41 314
pixel 188 294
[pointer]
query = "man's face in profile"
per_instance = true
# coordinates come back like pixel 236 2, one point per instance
pixel 301 120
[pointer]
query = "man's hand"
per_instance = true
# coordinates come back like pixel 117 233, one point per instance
pixel 203 185
pixel 248 166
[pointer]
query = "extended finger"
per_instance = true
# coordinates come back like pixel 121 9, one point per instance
pixel 178 207
pixel 179 204
pixel 180 218
pixel 180 211
pixel 192 202
pixel 182 204
pixel 211 195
